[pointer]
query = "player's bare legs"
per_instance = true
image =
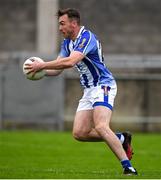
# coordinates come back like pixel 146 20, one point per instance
pixel 84 130
pixel 99 118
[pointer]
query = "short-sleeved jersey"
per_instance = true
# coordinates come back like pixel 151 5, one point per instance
pixel 92 70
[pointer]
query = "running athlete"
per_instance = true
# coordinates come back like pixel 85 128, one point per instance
pixel 82 49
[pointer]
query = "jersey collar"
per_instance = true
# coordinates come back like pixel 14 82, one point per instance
pixel 80 32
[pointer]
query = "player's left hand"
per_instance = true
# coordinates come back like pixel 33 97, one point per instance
pixel 34 67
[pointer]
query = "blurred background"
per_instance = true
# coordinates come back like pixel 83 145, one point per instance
pixel 130 32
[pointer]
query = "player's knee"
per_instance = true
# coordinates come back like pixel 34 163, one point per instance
pixel 79 135
pixel 100 128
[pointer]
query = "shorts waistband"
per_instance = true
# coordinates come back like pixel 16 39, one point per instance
pixel 102 86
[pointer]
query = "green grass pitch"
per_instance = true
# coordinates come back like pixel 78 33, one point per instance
pixel 38 154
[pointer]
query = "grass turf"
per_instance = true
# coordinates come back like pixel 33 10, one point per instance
pixel 35 154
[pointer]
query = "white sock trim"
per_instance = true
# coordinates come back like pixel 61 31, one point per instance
pixel 122 138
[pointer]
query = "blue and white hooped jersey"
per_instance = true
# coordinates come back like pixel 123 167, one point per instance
pixel 92 69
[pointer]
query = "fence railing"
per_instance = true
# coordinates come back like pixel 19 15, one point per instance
pixel 42 103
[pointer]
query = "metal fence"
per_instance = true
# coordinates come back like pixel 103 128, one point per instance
pixel 25 103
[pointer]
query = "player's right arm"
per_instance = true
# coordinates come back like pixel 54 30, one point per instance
pixel 53 72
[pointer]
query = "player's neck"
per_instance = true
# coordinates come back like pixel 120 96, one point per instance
pixel 75 33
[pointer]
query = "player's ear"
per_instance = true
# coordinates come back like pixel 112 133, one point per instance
pixel 74 23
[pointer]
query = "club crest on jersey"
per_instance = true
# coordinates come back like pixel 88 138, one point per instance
pixel 82 43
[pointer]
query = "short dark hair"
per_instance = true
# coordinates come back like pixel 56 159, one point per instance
pixel 71 13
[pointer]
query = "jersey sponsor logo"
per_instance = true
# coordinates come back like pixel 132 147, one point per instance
pixel 82 43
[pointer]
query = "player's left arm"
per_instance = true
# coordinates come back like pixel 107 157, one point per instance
pixel 61 63
pixel 64 62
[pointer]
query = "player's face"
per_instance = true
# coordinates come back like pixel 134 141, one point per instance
pixel 66 26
